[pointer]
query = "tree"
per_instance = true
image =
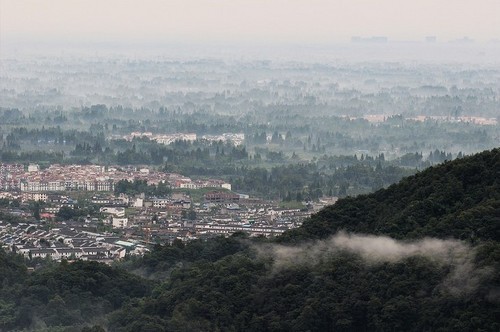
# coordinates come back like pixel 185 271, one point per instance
pixel 36 210
pixel 95 328
pixel 66 213
pixel 191 215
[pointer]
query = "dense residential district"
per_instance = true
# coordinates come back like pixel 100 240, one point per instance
pixel 76 211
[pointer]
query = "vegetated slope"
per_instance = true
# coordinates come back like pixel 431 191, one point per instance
pixel 459 199
pixel 62 297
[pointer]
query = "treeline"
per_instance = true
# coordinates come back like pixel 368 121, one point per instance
pixel 305 181
pixel 291 128
pixel 141 186
pixel 51 135
pixel 39 156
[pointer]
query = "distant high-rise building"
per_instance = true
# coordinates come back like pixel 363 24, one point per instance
pixel 373 39
pixel 464 40
pixel 430 39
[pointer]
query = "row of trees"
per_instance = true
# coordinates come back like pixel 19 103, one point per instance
pixel 141 186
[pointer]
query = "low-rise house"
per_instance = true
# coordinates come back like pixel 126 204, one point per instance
pixel 218 196
pixel 95 251
pixel 70 253
pixel 43 253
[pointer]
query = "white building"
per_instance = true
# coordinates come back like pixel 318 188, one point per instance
pixel 33 168
pixel 120 222
pixel 139 202
pixel 114 210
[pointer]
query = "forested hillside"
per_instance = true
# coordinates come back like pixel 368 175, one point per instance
pixel 64 295
pixel 422 255
pixel 459 199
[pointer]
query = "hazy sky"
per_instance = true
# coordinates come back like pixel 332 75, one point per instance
pixel 312 21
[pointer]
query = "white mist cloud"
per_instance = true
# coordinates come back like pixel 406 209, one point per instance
pixel 463 278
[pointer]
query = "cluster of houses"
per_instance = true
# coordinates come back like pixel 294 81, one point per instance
pixel 227 214
pixel 14 177
pixel 234 138
pixel 162 138
pixel 68 241
pixel 164 219
pixel 137 221
pixel 134 221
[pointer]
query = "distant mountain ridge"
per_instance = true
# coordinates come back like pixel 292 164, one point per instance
pixel 459 199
